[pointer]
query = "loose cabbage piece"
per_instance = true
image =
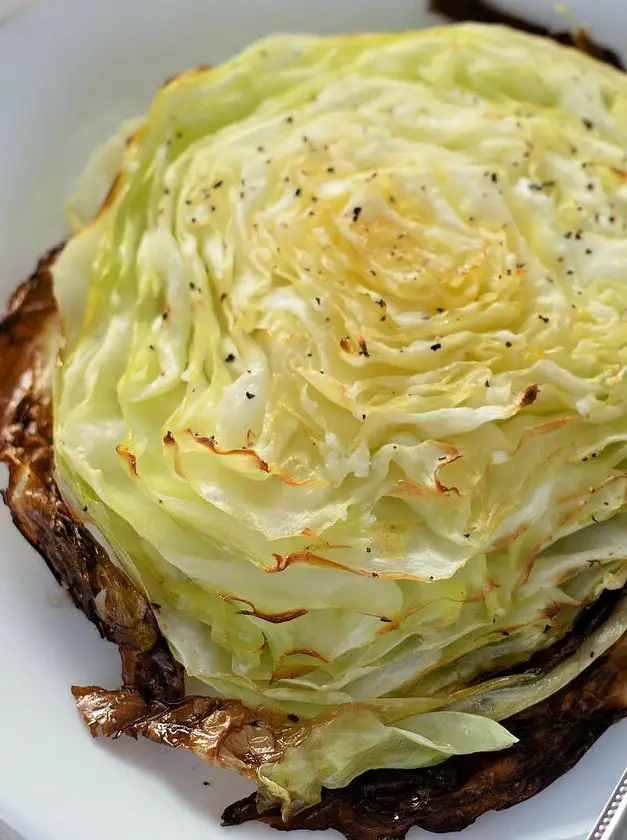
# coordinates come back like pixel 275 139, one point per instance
pixel 343 378
pixel 553 735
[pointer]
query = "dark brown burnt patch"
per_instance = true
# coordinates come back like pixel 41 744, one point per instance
pixel 530 396
pixel 28 336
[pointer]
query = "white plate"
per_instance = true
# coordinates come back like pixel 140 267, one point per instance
pixel 70 71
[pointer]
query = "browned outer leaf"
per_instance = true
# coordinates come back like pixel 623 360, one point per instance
pixel 380 804
pixel 553 737
pixel 28 337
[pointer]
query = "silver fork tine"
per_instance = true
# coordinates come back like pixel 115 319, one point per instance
pixel 612 821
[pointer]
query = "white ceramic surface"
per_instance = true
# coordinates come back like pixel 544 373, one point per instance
pixel 70 70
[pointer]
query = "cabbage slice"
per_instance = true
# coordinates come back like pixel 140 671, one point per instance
pixel 343 379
